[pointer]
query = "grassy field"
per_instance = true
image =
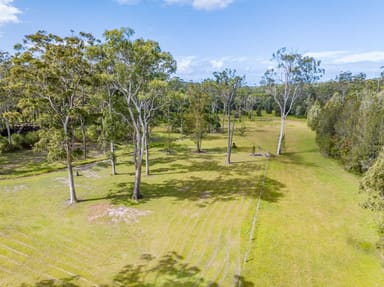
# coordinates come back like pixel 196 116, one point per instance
pixel 192 226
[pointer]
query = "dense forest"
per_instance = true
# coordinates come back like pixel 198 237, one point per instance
pixel 70 95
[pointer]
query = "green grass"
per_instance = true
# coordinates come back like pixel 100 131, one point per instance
pixel 316 234
pixel 197 215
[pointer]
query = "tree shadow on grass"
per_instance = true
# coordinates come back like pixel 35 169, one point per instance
pixel 169 270
pixel 210 164
pixel 203 192
pixel 297 158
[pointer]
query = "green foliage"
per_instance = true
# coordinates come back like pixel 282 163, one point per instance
pixel 313 116
pixel 373 184
pixel 196 121
pixel 51 141
pixel 25 141
pixel 4 145
pixel 350 127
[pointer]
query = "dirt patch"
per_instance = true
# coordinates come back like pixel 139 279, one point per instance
pixel 105 213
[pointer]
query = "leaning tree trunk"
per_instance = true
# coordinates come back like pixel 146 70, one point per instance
pixel 113 158
pixel 281 135
pixel 229 135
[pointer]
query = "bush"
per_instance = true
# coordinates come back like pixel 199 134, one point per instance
pixel 4 145
pixel 26 141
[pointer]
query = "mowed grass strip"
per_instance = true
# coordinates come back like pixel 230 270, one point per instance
pixel 195 209
pixel 316 233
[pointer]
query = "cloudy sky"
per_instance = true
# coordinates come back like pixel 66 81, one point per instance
pixel 210 35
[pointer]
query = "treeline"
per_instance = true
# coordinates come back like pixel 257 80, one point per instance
pixel 348 117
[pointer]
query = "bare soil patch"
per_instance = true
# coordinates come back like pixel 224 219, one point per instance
pixel 106 213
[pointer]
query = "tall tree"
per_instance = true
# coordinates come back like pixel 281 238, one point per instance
pixel 228 84
pixel 137 66
pixel 8 101
pixel 197 118
pixel 286 80
pixel 55 69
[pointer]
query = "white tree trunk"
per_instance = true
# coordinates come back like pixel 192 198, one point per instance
pixel 140 142
pixel 71 182
pixel 281 135
pixel 113 159
pixel 229 135
pixel 68 150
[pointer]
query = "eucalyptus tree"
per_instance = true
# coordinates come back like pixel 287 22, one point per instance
pixel 197 118
pixel 286 80
pixel 228 84
pixel 174 110
pixel 8 101
pixel 139 67
pixel 55 69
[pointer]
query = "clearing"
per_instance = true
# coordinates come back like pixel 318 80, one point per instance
pixel 192 226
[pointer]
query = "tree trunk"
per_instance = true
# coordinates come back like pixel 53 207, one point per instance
pixel 68 150
pixel 71 183
pixel 113 159
pixel 134 149
pixel 229 145
pixel 136 190
pixel 198 144
pixel 147 152
pixel 281 136
pixel 223 121
pixel 140 142
pixel 8 132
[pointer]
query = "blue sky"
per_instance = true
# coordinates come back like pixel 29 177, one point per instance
pixel 210 35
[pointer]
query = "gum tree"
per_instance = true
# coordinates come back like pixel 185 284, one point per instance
pixel 286 80
pixel 139 70
pixel 55 69
pixel 228 84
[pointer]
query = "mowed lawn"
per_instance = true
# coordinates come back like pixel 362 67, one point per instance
pixel 186 231
pixel 192 226
pixel 316 233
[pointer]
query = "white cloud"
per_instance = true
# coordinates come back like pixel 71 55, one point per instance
pixel 326 54
pixel 374 56
pixel 184 64
pixel 8 13
pixel 203 4
pixel 199 68
pixel 216 64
